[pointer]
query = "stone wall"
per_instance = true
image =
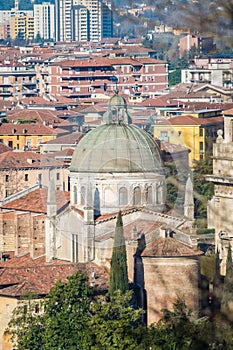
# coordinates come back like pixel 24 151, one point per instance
pixel 165 280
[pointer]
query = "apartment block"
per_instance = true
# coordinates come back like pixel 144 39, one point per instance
pixel 22 26
pixel 16 81
pixel 89 77
pixel 44 21
pixel 80 20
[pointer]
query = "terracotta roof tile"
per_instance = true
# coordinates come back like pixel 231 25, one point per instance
pixel 41 276
pixel 70 139
pixel 28 129
pixel 36 201
pixel 190 120
pixel 169 247
pixel 4 148
pixel 27 160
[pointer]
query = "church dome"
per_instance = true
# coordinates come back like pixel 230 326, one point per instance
pixel 116 147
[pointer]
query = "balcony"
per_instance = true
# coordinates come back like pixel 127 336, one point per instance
pixel 5 93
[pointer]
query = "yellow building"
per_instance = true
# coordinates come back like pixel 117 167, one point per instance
pixel 27 136
pixel 22 26
pixel 197 134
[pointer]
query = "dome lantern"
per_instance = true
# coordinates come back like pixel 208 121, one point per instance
pixel 117 111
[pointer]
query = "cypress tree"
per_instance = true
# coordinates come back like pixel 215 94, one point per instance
pixel 118 270
pixel 227 295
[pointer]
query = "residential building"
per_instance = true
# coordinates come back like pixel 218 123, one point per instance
pixel 201 44
pixel 82 20
pixel 44 21
pixel 80 23
pixel 63 20
pixel 91 77
pixel 22 27
pixel 4 30
pixel 22 170
pixel 197 134
pixel 16 81
pixel 215 71
pixel 27 136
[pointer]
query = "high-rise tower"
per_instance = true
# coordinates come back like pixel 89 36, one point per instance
pixel 80 20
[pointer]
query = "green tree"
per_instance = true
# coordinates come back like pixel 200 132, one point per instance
pixel 227 295
pixel 177 330
pixel 63 323
pixel 118 270
pixel 26 326
pixel 115 324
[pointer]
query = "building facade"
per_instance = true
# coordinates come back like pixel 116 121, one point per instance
pixel 82 20
pixel 44 21
pixel 86 78
pixel 22 27
pixel 221 205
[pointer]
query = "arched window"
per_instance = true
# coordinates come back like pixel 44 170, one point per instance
pixel 149 195
pixel 123 196
pixel 75 195
pixel 137 196
pixel 83 195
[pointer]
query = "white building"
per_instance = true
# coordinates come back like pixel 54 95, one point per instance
pixel 44 20
pixel 80 19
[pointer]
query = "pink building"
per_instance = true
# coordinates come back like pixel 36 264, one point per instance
pixel 84 78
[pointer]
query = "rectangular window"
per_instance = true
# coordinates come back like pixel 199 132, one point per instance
pixel 26 177
pixel 201 146
pixel 201 132
pixel 7 178
pixel 163 136
pixel 58 176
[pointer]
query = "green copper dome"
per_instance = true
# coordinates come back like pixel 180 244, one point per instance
pixel 116 147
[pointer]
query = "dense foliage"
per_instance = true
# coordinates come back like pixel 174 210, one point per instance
pixel 76 318
pixel 118 270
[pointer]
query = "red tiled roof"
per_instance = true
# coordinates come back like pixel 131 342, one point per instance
pixel 190 120
pixel 137 227
pixel 36 201
pixel 4 148
pixel 172 148
pixel 27 129
pixel 69 139
pixel 169 247
pixel 46 117
pixel 41 276
pixel 162 101
pixel 22 160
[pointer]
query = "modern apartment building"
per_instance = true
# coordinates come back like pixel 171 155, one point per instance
pixel 44 20
pixel 80 20
pixel 84 78
pixel 22 26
